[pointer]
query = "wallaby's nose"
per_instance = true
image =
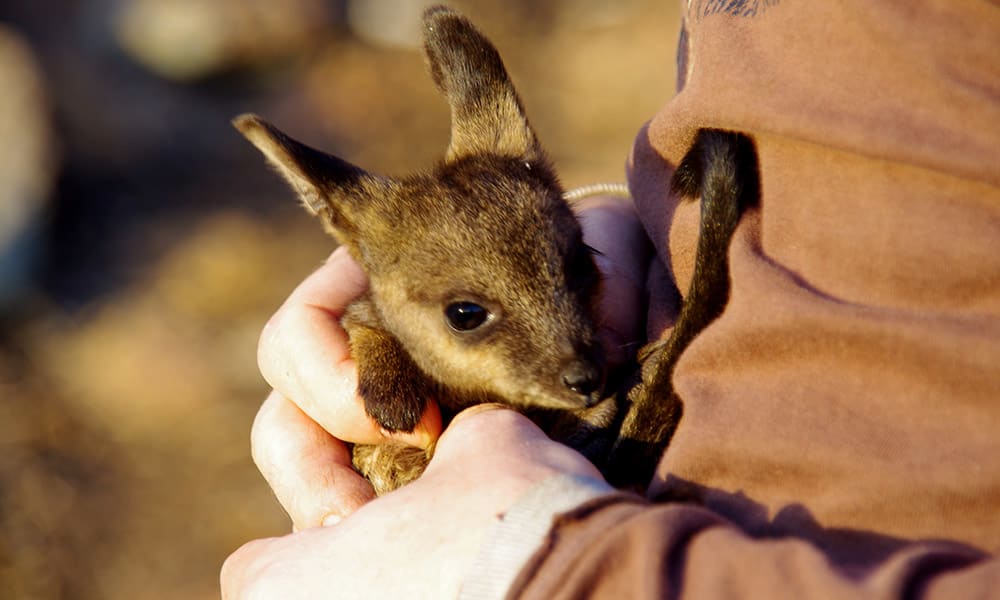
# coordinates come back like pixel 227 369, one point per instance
pixel 583 377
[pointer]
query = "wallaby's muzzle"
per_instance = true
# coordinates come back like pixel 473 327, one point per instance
pixel 584 375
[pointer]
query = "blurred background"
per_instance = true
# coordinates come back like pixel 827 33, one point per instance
pixel 143 243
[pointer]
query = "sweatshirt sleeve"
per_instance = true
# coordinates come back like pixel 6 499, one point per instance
pixel 841 416
pixel 623 548
pixel 522 530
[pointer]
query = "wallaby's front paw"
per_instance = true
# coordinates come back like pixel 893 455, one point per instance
pixel 396 399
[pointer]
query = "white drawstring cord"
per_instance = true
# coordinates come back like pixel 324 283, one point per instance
pixel 596 189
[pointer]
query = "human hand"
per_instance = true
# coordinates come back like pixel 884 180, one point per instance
pixel 611 226
pixel 297 437
pixel 420 540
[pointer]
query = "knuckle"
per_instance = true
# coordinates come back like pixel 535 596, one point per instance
pixel 245 572
pixel 260 435
pixel 273 344
pixel 268 440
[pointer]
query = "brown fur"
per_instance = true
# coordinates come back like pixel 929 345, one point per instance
pixel 488 226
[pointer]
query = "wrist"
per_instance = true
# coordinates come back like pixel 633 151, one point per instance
pixel 522 530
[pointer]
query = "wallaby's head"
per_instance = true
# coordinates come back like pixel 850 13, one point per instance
pixel 479 268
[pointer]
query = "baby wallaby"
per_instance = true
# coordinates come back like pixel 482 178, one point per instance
pixel 481 287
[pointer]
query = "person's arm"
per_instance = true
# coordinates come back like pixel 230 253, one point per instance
pixel 421 540
pixel 622 549
pixel 501 503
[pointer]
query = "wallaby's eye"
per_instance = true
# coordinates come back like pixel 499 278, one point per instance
pixel 465 316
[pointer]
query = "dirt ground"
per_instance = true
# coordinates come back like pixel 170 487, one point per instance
pixel 158 243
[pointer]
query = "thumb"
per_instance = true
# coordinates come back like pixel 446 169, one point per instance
pixel 492 439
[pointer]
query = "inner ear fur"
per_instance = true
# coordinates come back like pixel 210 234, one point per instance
pixel 486 113
pixel 329 187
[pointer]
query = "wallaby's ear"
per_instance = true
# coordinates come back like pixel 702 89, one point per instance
pixel 486 114
pixel 329 187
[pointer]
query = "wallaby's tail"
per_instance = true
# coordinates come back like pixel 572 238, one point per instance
pixel 720 169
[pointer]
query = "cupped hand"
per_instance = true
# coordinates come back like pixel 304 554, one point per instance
pixel 419 541
pixel 611 226
pixel 297 437
pixel 304 354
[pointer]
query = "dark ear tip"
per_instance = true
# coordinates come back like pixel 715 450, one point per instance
pixel 439 21
pixel 451 40
pixel 438 12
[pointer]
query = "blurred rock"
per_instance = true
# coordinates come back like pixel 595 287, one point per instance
pixel 27 164
pixel 613 69
pixel 379 105
pixel 190 39
pixel 124 437
pixel 387 22
pixel 589 74
pixel 174 354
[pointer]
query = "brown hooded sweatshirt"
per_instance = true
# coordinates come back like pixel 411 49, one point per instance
pixel 841 426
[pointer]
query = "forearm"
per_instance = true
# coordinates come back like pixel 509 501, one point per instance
pixel 627 549
pixel 524 529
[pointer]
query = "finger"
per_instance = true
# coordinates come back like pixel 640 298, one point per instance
pixel 611 227
pixel 305 565
pixel 621 304
pixel 309 471
pixel 489 439
pixel 278 567
pixel 304 353
pixel 243 570
pixel 476 409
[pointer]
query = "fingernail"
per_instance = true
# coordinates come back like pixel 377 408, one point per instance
pixel 419 437
pixel 427 431
pixel 426 438
pixel 331 519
